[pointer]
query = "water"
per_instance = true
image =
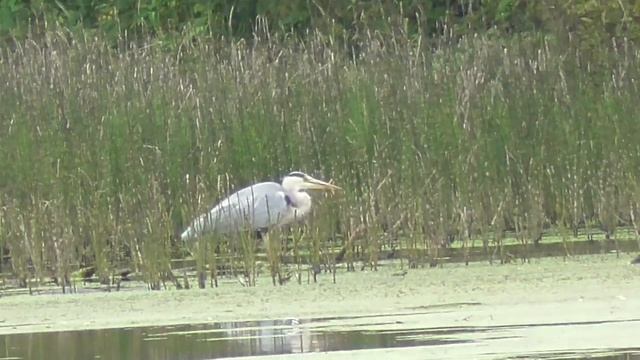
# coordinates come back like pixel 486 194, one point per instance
pixel 191 342
pixel 235 339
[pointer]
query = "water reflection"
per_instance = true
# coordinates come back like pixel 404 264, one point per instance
pixel 207 341
pixel 204 341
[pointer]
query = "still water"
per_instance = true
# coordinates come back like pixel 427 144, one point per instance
pixel 236 339
pixel 198 341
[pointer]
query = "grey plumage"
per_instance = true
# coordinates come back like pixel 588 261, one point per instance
pixel 259 206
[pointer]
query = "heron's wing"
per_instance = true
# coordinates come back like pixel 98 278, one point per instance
pixel 255 207
pixel 258 206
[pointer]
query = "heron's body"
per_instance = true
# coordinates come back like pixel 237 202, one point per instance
pixel 259 207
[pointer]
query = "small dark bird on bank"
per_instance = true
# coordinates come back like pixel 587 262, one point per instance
pixel 400 273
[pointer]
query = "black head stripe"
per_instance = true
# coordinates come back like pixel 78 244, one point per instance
pixel 297 173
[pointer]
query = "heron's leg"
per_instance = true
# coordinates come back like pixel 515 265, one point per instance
pixel 271 256
pixel 273 246
pixel 201 260
pixel 247 243
pixel 297 234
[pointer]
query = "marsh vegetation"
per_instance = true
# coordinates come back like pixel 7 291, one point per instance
pixel 110 148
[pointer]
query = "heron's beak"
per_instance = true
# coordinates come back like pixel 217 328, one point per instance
pixel 315 184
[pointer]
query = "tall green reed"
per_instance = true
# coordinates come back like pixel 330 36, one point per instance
pixel 108 151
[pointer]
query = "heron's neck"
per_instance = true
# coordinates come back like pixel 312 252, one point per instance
pixel 290 202
pixel 298 199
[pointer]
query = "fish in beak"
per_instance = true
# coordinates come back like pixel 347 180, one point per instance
pixel 311 183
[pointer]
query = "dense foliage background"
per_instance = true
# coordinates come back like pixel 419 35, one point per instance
pixel 591 22
pixel 123 120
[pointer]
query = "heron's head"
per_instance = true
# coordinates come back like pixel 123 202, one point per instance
pixel 301 181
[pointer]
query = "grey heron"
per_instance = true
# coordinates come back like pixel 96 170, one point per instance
pixel 260 207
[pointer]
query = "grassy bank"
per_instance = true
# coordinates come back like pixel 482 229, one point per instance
pixel 108 151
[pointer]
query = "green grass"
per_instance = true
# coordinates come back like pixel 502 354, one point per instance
pixel 108 152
